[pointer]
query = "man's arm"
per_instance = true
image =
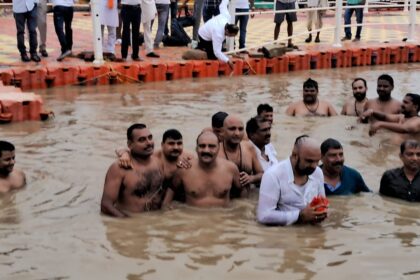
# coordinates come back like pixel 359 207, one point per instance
pixel 344 109
pixel 113 181
pixel 217 43
pixel 257 169
pixel 331 111
pixel 384 188
pixel 267 212
pixel 409 128
pixel 170 192
pixel 290 111
pixel 370 113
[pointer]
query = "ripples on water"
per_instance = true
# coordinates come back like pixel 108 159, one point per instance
pixel 53 230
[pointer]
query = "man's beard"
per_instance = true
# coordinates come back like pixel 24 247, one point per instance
pixel 305 171
pixel 384 96
pixel 359 96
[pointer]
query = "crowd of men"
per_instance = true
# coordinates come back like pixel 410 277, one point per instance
pixel 127 15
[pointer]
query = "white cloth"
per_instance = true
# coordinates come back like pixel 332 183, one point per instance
pixel 23 6
pixel 280 200
pixel 241 4
pixel 109 17
pixel 163 2
pixel 66 3
pixel 148 10
pixel 317 3
pixel 130 2
pixel 214 30
pixel 148 40
pixel 108 45
pixel 270 151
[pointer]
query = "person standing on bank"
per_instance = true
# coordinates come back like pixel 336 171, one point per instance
pixel 243 6
pixel 25 13
pixel 63 17
pixel 359 19
pixel 131 16
pixel 315 18
pixel 42 26
pixel 290 18
pixel 109 19
pixel 212 34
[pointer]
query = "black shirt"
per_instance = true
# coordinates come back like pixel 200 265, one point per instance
pixel 394 183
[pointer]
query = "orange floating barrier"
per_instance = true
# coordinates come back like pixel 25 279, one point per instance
pixel 381 55
pixel 179 70
pixel 320 60
pixel 125 73
pixel 255 66
pixel 205 68
pixel 356 57
pixel 151 72
pixel 315 60
pixel 404 54
pixel 412 53
pixel 394 54
pixel 96 75
pixel 61 76
pixel 30 78
pixel 224 69
pixel 278 64
pixel 366 55
pixel 299 61
pixel 22 107
pixel 7 77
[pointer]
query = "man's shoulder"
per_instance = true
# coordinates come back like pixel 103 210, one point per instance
pixel 350 170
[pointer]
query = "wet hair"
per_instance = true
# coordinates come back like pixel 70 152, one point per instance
pixel 231 28
pixel 300 139
pixel 328 144
pixel 171 134
pixel 218 119
pixel 264 108
pixel 133 127
pixel 415 98
pixel 253 124
pixel 410 143
pixel 205 132
pixel 388 78
pixel 359 79
pixel 309 83
pixel 6 146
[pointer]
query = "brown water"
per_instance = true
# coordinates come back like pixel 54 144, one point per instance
pixel 53 229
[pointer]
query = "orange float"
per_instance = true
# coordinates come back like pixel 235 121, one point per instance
pixel 205 68
pixel 7 77
pixel 30 78
pixel 179 70
pixel 224 69
pixel 61 76
pixel 22 106
pixel 93 75
pixel 125 73
pixel 151 72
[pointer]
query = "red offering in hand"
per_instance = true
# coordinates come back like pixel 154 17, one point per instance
pixel 320 203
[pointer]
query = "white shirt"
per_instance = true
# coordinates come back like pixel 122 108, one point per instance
pixel 66 3
pixel 163 2
pixel 214 30
pixel 241 4
pixel 130 2
pixel 109 16
pixel 148 10
pixel 270 151
pixel 23 6
pixel 280 199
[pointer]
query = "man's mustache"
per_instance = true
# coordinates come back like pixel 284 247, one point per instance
pixel 206 154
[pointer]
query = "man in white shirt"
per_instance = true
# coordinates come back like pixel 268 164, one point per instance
pixel 148 13
pixel 109 19
pixel 63 17
pixel 25 13
pixel 288 187
pixel 259 133
pixel 212 34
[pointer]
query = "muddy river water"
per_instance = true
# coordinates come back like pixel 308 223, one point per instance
pixel 53 230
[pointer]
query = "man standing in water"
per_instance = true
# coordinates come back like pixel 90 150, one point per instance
pixel 10 177
pixel 355 106
pixel 384 103
pixel 210 179
pixel 259 133
pixel 288 187
pixel 339 179
pixel 137 189
pixel 404 182
pixel 408 122
pixel 265 111
pixel 311 105
pixel 242 153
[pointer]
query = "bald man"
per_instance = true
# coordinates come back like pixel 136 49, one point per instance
pixel 209 180
pixel 288 187
pixel 242 153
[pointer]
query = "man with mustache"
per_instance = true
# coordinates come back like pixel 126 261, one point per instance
pixel 408 122
pixel 209 180
pixel 265 111
pixel 339 179
pixel 288 187
pixel 311 105
pixel 242 153
pixel 259 134
pixel 355 106
pixel 137 189
pixel 384 103
pixel 404 182
pixel 10 178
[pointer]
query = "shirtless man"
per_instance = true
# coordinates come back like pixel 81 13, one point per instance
pixel 310 105
pixel 265 111
pixel 384 103
pixel 242 153
pixel 10 178
pixel 137 189
pixel 408 122
pixel 209 181
pixel 355 106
